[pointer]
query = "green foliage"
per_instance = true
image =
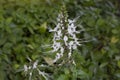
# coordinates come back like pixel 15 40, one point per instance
pixel 24 30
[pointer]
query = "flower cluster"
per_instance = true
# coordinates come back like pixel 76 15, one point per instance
pixel 65 39
pixel 32 67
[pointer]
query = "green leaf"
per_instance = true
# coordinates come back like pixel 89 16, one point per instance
pixel 49 61
pixel 82 74
pixel 100 22
pixel 43 27
pixel 62 77
pixel 118 64
pixel 117 75
pixel 103 64
pixel 2 75
pixel 9 20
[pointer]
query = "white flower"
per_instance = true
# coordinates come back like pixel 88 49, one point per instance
pixel 69 54
pixel 65 40
pixel 29 67
pixel 74 46
pixel 71 43
pixel 71 21
pixel 62 51
pixel 58 56
pixel 35 64
pixel 63 28
pixel 56 46
pixel 73 62
pixel 59 33
pixel 25 68
pixel 70 31
pixel 30 73
pixel 33 67
pixel 43 74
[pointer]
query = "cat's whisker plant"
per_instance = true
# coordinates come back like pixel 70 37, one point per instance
pixel 65 38
pixel 32 70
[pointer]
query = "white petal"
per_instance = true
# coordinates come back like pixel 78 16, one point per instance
pixel 70 43
pixel 25 68
pixel 65 38
pixel 74 46
pixel 69 54
pixel 59 33
pixel 35 64
pixel 57 57
pixel 62 51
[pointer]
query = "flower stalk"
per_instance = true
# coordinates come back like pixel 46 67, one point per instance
pixel 32 69
pixel 65 39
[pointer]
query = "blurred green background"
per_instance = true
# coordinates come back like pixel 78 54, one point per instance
pixel 24 30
